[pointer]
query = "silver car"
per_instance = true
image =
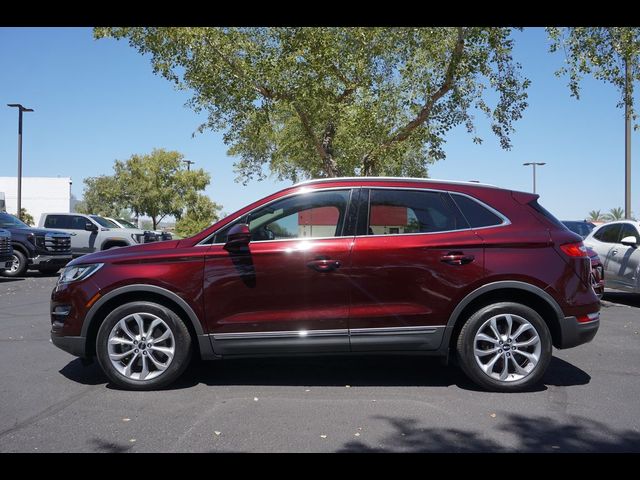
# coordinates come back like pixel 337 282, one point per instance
pixel 617 245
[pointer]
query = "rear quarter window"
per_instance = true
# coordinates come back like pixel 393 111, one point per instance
pixel 476 214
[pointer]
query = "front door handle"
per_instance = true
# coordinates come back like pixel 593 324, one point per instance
pixel 324 265
pixel 457 258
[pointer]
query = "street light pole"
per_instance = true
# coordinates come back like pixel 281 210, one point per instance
pixel 534 171
pixel 20 110
pixel 627 142
pixel 189 163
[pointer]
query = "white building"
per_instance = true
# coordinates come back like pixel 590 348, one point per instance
pixel 39 194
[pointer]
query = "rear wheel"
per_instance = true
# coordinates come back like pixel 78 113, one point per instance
pixel 19 265
pixel 143 346
pixel 505 347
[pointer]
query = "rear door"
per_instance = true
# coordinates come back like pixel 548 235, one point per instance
pixel 415 254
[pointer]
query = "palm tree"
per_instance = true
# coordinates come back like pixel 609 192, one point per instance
pixel 615 214
pixel 595 216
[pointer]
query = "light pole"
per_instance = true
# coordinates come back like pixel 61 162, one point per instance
pixel 627 140
pixel 20 110
pixel 189 163
pixel 534 171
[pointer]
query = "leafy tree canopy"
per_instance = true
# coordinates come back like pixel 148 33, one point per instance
pixel 155 185
pixel 200 214
pixel 323 102
pixel 601 52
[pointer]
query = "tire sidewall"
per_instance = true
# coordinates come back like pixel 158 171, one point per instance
pixel 465 347
pixel 22 260
pixel 183 346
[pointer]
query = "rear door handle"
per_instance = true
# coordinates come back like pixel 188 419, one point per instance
pixel 324 265
pixel 457 258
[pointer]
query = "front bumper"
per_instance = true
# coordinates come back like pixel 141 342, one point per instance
pixel 73 345
pixel 574 333
pixel 50 260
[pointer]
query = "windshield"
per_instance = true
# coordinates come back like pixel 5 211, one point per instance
pixel 9 221
pixel 126 223
pixel 103 222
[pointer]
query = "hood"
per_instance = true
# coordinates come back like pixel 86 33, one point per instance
pixel 36 231
pixel 123 253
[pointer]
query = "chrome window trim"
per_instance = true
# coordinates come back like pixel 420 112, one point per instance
pixel 202 244
pixel 505 219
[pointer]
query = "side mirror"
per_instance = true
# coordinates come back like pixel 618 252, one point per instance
pixel 238 237
pixel 90 227
pixel 629 241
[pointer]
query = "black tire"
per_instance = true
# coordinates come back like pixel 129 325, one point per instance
pixel 182 344
pixel 466 356
pixel 49 270
pixel 22 265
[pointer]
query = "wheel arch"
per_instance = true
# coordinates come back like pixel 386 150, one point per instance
pixel 21 248
pixel 512 291
pixel 114 242
pixel 151 293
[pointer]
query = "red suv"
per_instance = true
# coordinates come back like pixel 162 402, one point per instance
pixel 343 265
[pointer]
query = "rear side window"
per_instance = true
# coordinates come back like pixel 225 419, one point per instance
pixel 609 233
pixel 393 212
pixel 629 231
pixel 57 221
pixel 476 215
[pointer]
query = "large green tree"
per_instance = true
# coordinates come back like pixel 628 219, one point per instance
pixel 324 102
pixel 156 185
pixel 200 213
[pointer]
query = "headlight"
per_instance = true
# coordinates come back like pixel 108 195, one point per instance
pixel 78 272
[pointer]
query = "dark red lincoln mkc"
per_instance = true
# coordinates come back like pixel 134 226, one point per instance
pixel 342 265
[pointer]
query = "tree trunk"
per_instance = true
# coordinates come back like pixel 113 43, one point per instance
pixel 330 166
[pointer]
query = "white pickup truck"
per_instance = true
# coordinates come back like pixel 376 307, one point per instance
pixel 90 233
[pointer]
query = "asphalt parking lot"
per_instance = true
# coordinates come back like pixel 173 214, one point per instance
pixel 50 403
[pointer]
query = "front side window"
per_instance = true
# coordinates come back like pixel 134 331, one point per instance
pixel 609 233
pixel 394 212
pixel 103 222
pixel 308 215
pixel 78 223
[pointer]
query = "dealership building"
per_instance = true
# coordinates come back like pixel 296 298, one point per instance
pixel 39 195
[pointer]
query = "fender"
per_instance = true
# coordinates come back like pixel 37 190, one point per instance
pixel 204 342
pixel 489 287
pixel 513 284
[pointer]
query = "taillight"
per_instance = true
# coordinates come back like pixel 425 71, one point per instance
pixel 576 249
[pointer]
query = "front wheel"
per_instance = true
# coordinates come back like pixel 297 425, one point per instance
pixel 505 347
pixel 18 265
pixel 143 346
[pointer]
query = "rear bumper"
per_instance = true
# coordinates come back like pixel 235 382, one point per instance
pixel 574 333
pixel 73 345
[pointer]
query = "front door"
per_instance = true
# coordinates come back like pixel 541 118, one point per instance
pixel 290 291
pixel 624 260
pixel 416 256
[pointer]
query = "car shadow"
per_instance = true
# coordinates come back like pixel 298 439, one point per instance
pixel 331 371
pixel 629 299
pixel 10 279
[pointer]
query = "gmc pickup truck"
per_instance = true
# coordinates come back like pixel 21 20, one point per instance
pixel 6 251
pixel 34 249
pixel 92 233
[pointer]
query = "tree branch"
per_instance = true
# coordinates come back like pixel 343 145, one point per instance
pixel 425 112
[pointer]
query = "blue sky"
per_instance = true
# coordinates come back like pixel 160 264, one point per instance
pixel 97 100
